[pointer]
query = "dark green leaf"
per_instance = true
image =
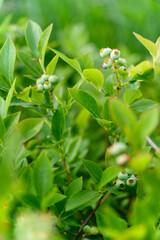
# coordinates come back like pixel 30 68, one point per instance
pixel 52 65
pixel 74 187
pixel 94 170
pixel 108 175
pixel 58 124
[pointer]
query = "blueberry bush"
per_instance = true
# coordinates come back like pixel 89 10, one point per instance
pixel 79 156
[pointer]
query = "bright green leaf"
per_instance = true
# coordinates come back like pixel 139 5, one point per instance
pixel 143 105
pixel 2 129
pixel 28 128
pixel 108 175
pixel 130 95
pixel 74 187
pixel 43 176
pixel 95 77
pixel 52 65
pixel 86 100
pixel 86 61
pixel 149 45
pixel 33 34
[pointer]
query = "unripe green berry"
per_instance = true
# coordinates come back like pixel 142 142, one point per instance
pixel 45 77
pixel 40 81
pixel 107 63
pixel 104 52
pixel 115 54
pixel 120 184
pixel 94 231
pixel 129 171
pixel 117 148
pixel 131 182
pixel 122 61
pixel 47 86
pixel 53 79
pixel 122 176
pixel 87 229
pixel 40 87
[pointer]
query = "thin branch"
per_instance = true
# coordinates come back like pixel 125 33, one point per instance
pixel 154 146
pixel 116 80
pixel 101 200
pixel 66 170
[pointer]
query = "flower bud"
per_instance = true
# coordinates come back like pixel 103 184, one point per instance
pixel 104 52
pixel 107 63
pixel 115 54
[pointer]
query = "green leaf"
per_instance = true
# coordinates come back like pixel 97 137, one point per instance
pixel 43 177
pixel 30 200
pixel 29 128
pixel 109 223
pixel 7 60
pixel 149 45
pixel 108 175
pixel 142 71
pixel 143 105
pixel 52 65
pixel 72 62
pixel 95 77
pixel 130 95
pixel 94 170
pixel 105 110
pixel 146 125
pixel 86 100
pixel 140 162
pixel 74 187
pixel 8 99
pixel 80 198
pixel 104 123
pixel 122 114
pixel 43 41
pixel 2 108
pixel 10 122
pixel 2 129
pixel 52 198
pixel 58 124
pixel 31 63
pixel 33 34
pixel 86 61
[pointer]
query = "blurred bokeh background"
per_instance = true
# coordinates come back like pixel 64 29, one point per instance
pixel 79 25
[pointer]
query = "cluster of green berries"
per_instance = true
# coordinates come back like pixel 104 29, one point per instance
pixel 112 56
pixel 45 82
pixel 90 230
pixel 119 150
pixel 124 178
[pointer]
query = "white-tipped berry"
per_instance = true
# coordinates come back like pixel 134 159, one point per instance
pixel 122 159
pixel 45 77
pixel 131 182
pixel 40 81
pixel 104 52
pixel 107 63
pixel 53 79
pixel 122 61
pixel 117 148
pixel 115 54
pixel 122 175
pixel 40 87
pixel 120 184
pixel 47 86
